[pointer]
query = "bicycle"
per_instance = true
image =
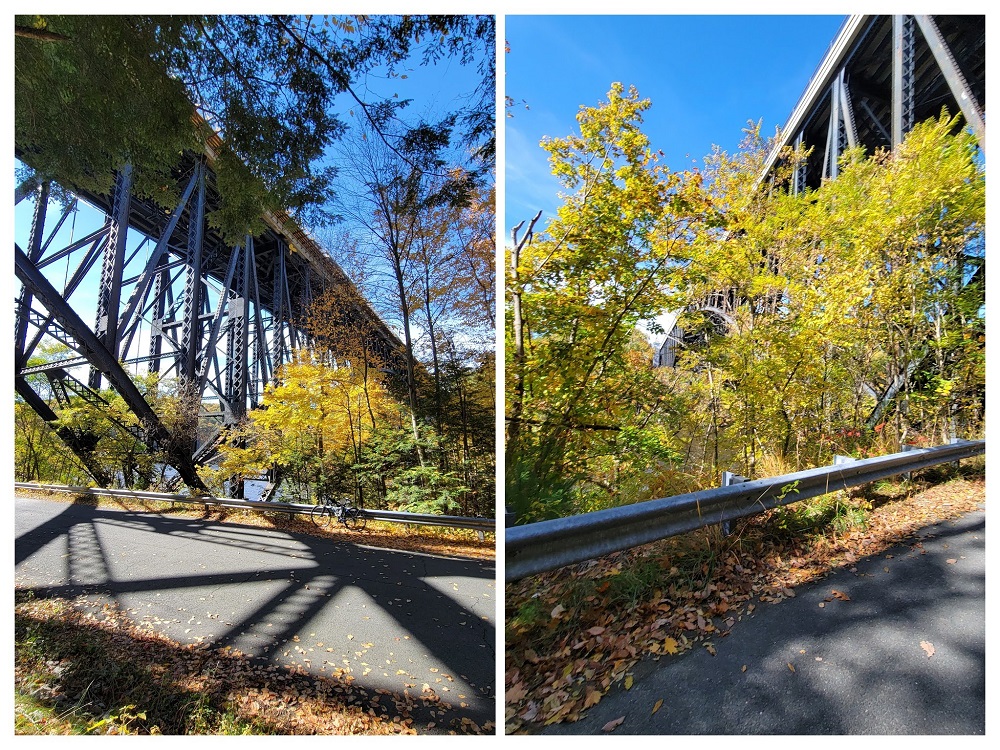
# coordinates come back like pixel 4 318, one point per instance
pixel 328 510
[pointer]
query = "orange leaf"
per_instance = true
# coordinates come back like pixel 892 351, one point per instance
pixel 610 726
pixel 670 645
pixel 791 667
pixel 592 699
pixel 928 647
pixel 656 706
pixel 841 595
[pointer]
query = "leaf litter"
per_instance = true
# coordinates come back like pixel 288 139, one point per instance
pixel 570 635
pixel 287 700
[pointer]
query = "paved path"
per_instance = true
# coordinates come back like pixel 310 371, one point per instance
pixel 397 620
pixel 859 667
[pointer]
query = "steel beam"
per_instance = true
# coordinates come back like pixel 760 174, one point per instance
pixel 237 338
pixel 960 89
pixel 146 277
pixel 191 325
pixel 34 252
pixel 847 111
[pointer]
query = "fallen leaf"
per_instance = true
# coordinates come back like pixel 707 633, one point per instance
pixel 928 647
pixel 743 668
pixel 610 726
pixel 629 681
pixel 592 699
pixel 791 667
pixel 670 645
pixel 656 706
pixel 596 630
pixel 710 648
pixel 951 561
pixel 822 604
pixel 557 612
pixel 841 595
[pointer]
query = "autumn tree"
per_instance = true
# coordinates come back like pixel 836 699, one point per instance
pixel 314 423
pixel 583 283
pixel 39 453
pixel 852 305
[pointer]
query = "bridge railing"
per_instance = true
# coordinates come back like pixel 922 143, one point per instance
pixel 547 545
pixel 480 525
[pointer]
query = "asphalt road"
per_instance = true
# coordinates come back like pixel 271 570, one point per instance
pixel 905 655
pixel 396 620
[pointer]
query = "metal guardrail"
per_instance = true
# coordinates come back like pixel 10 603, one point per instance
pixel 481 525
pixel 547 545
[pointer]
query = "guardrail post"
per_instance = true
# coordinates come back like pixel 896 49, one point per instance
pixel 509 517
pixel 908 475
pixel 729 478
pixel 955 441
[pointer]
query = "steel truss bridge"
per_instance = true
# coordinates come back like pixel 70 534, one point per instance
pixel 171 297
pixel 880 76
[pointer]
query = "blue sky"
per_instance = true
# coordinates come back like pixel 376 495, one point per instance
pixel 705 75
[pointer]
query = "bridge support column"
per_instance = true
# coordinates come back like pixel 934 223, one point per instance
pixel 191 327
pixel 903 78
pixel 110 289
pixel 34 252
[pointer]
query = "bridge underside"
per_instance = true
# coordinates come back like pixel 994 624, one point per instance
pixel 166 295
pixel 881 76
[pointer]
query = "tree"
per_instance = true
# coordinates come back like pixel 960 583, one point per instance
pixel 599 267
pixel 315 423
pixel 392 193
pixel 850 304
pixel 93 93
